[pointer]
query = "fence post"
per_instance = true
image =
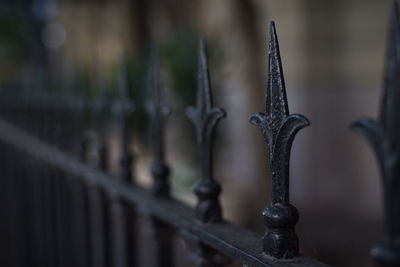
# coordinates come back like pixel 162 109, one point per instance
pixel 123 218
pixel 384 137
pixel 158 113
pixel 97 200
pixel 279 129
pixel 126 109
pixel 163 234
pixel 100 116
pixel 205 118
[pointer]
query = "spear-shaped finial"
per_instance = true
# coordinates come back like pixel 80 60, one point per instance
pixel 278 129
pixel 205 118
pixel 384 137
pixel 158 113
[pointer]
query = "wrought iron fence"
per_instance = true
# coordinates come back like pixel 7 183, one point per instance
pixel 60 211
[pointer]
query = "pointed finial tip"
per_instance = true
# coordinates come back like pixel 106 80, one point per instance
pixel 272 31
pixel 202 41
pixel 272 26
pixel 202 47
pixel 202 52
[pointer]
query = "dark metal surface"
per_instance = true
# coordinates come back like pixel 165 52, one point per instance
pixel 384 137
pixel 126 109
pixel 162 232
pixel 237 243
pixel 205 118
pixel 59 211
pixel 279 129
pixel 100 115
pixel 98 227
pixel 163 236
pixel 122 218
pixel 125 226
pixel 158 113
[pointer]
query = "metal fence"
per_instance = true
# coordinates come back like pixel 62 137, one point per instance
pixel 57 210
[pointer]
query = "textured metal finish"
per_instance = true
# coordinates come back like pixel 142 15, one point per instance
pixel 205 118
pixel 384 137
pixel 158 113
pixel 279 129
pixel 237 243
pixel 202 255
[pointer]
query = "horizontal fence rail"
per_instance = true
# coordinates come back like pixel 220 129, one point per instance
pixel 235 242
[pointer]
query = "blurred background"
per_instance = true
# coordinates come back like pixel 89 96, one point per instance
pixel 332 53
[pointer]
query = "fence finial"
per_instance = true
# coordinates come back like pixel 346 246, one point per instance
pixel 158 113
pixel 205 118
pixel 384 137
pixel 278 129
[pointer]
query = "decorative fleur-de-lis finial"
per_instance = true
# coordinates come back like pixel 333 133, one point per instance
pixel 278 129
pixel 384 137
pixel 205 118
pixel 158 113
pixel 126 108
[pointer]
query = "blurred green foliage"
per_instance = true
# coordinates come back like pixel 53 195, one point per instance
pixel 180 59
pixel 13 44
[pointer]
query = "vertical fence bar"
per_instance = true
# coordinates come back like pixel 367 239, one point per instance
pixel 78 203
pixel 163 234
pixel 118 224
pixel 16 223
pixel 9 206
pixel 100 116
pixel 6 205
pixel 40 230
pixel 205 119
pixel 279 129
pixel 67 226
pixel 98 228
pixel 122 218
pixel 77 129
pixel 97 200
pixel 53 216
pixel 384 137
pixel 61 199
pixel 126 108
pixel 50 228
pixel 61 219
pixel 158 113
